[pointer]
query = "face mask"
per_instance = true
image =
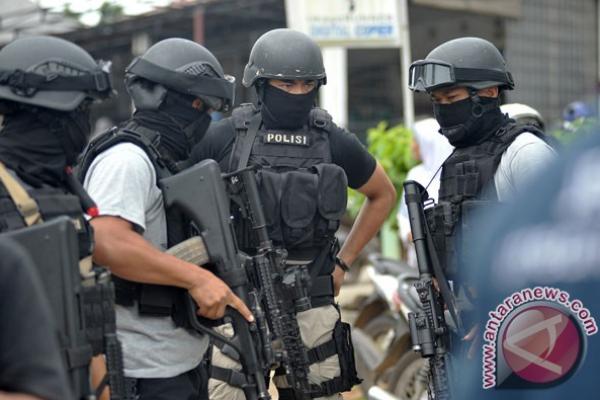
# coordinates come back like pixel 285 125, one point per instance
pixel 191 121
pixel 78 130
pixel 465 122
pixel 283 110
pixel 179 108
pixel 196 130
pixel 72 130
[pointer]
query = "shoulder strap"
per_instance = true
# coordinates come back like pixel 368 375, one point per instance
pixel 149 140
pixel 146 139
pixel 26 205
pixel 515 129
pixel 319 118
pixel 248 140
pixel 246 121
pixel 242 116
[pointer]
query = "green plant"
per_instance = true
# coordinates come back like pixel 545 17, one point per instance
pixel 391 146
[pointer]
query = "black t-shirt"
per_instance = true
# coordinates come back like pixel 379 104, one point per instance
pixel 346 151
pixel 30 360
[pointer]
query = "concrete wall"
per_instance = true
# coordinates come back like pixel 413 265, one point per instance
pixel 552 51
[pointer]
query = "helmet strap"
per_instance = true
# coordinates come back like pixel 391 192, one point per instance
pixel 260 90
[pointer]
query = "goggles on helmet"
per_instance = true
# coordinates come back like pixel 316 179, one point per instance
pixel 96 83
pixel 428 75
pixel 197 85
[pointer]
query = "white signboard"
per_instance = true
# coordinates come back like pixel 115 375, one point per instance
pixel 347 23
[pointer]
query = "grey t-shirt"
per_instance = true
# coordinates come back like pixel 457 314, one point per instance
pixel 122 181
pixel 525 156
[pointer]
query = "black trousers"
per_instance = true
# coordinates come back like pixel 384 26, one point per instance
pixel 191 385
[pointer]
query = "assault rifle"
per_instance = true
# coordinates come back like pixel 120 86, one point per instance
pixel 273 293
pixel 199 193
pixel 76 295
pixel 283 291
pixel 428 328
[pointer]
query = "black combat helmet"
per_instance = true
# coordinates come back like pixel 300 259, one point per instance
pixel 468 61
pixel 183 66
pixel 52 73
pixel 284 54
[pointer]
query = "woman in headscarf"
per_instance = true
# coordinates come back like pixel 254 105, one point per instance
pixel 432 149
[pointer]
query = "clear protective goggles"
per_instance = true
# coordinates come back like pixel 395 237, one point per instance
pixel 428 75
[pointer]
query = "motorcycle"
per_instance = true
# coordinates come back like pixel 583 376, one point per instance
pixel 381 336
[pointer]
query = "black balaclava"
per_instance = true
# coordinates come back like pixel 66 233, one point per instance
pixel 39 143
pixel 180 125
pixel 283 110
pixel 470 121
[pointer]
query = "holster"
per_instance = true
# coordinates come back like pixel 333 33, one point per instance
pixel 340 344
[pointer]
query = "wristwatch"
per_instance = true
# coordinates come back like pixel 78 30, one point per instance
pixel 342 264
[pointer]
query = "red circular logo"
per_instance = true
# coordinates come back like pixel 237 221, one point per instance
pixel 542 344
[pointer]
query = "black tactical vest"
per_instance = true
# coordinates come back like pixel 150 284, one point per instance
pixel 467 187
pixel 154 300
pixel 131 132
pixel 303 193
pixel 95 296
pixel 52 203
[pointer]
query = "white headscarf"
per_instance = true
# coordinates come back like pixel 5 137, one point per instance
pixel 434 149
pixel 433 146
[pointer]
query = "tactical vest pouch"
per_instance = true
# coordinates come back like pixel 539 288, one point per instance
pixel 441 220
pixel 271 184
pixel 299 207
pixel 303 206
pixel 157 300
pixel 333 197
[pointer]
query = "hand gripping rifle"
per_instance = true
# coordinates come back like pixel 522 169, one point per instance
pixel 428 328
pixel 199 193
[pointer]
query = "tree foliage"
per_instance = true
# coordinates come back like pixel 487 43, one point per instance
pixel 109 11
pixel 391 146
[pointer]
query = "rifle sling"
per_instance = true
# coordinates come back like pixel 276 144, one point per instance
pixel 447 294
pixel 234 378
pixel 26 206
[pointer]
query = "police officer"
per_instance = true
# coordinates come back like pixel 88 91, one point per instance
pixel 464 78
pixel 307 163
pixel 494 156
pixel 174 86
pixel 47 86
